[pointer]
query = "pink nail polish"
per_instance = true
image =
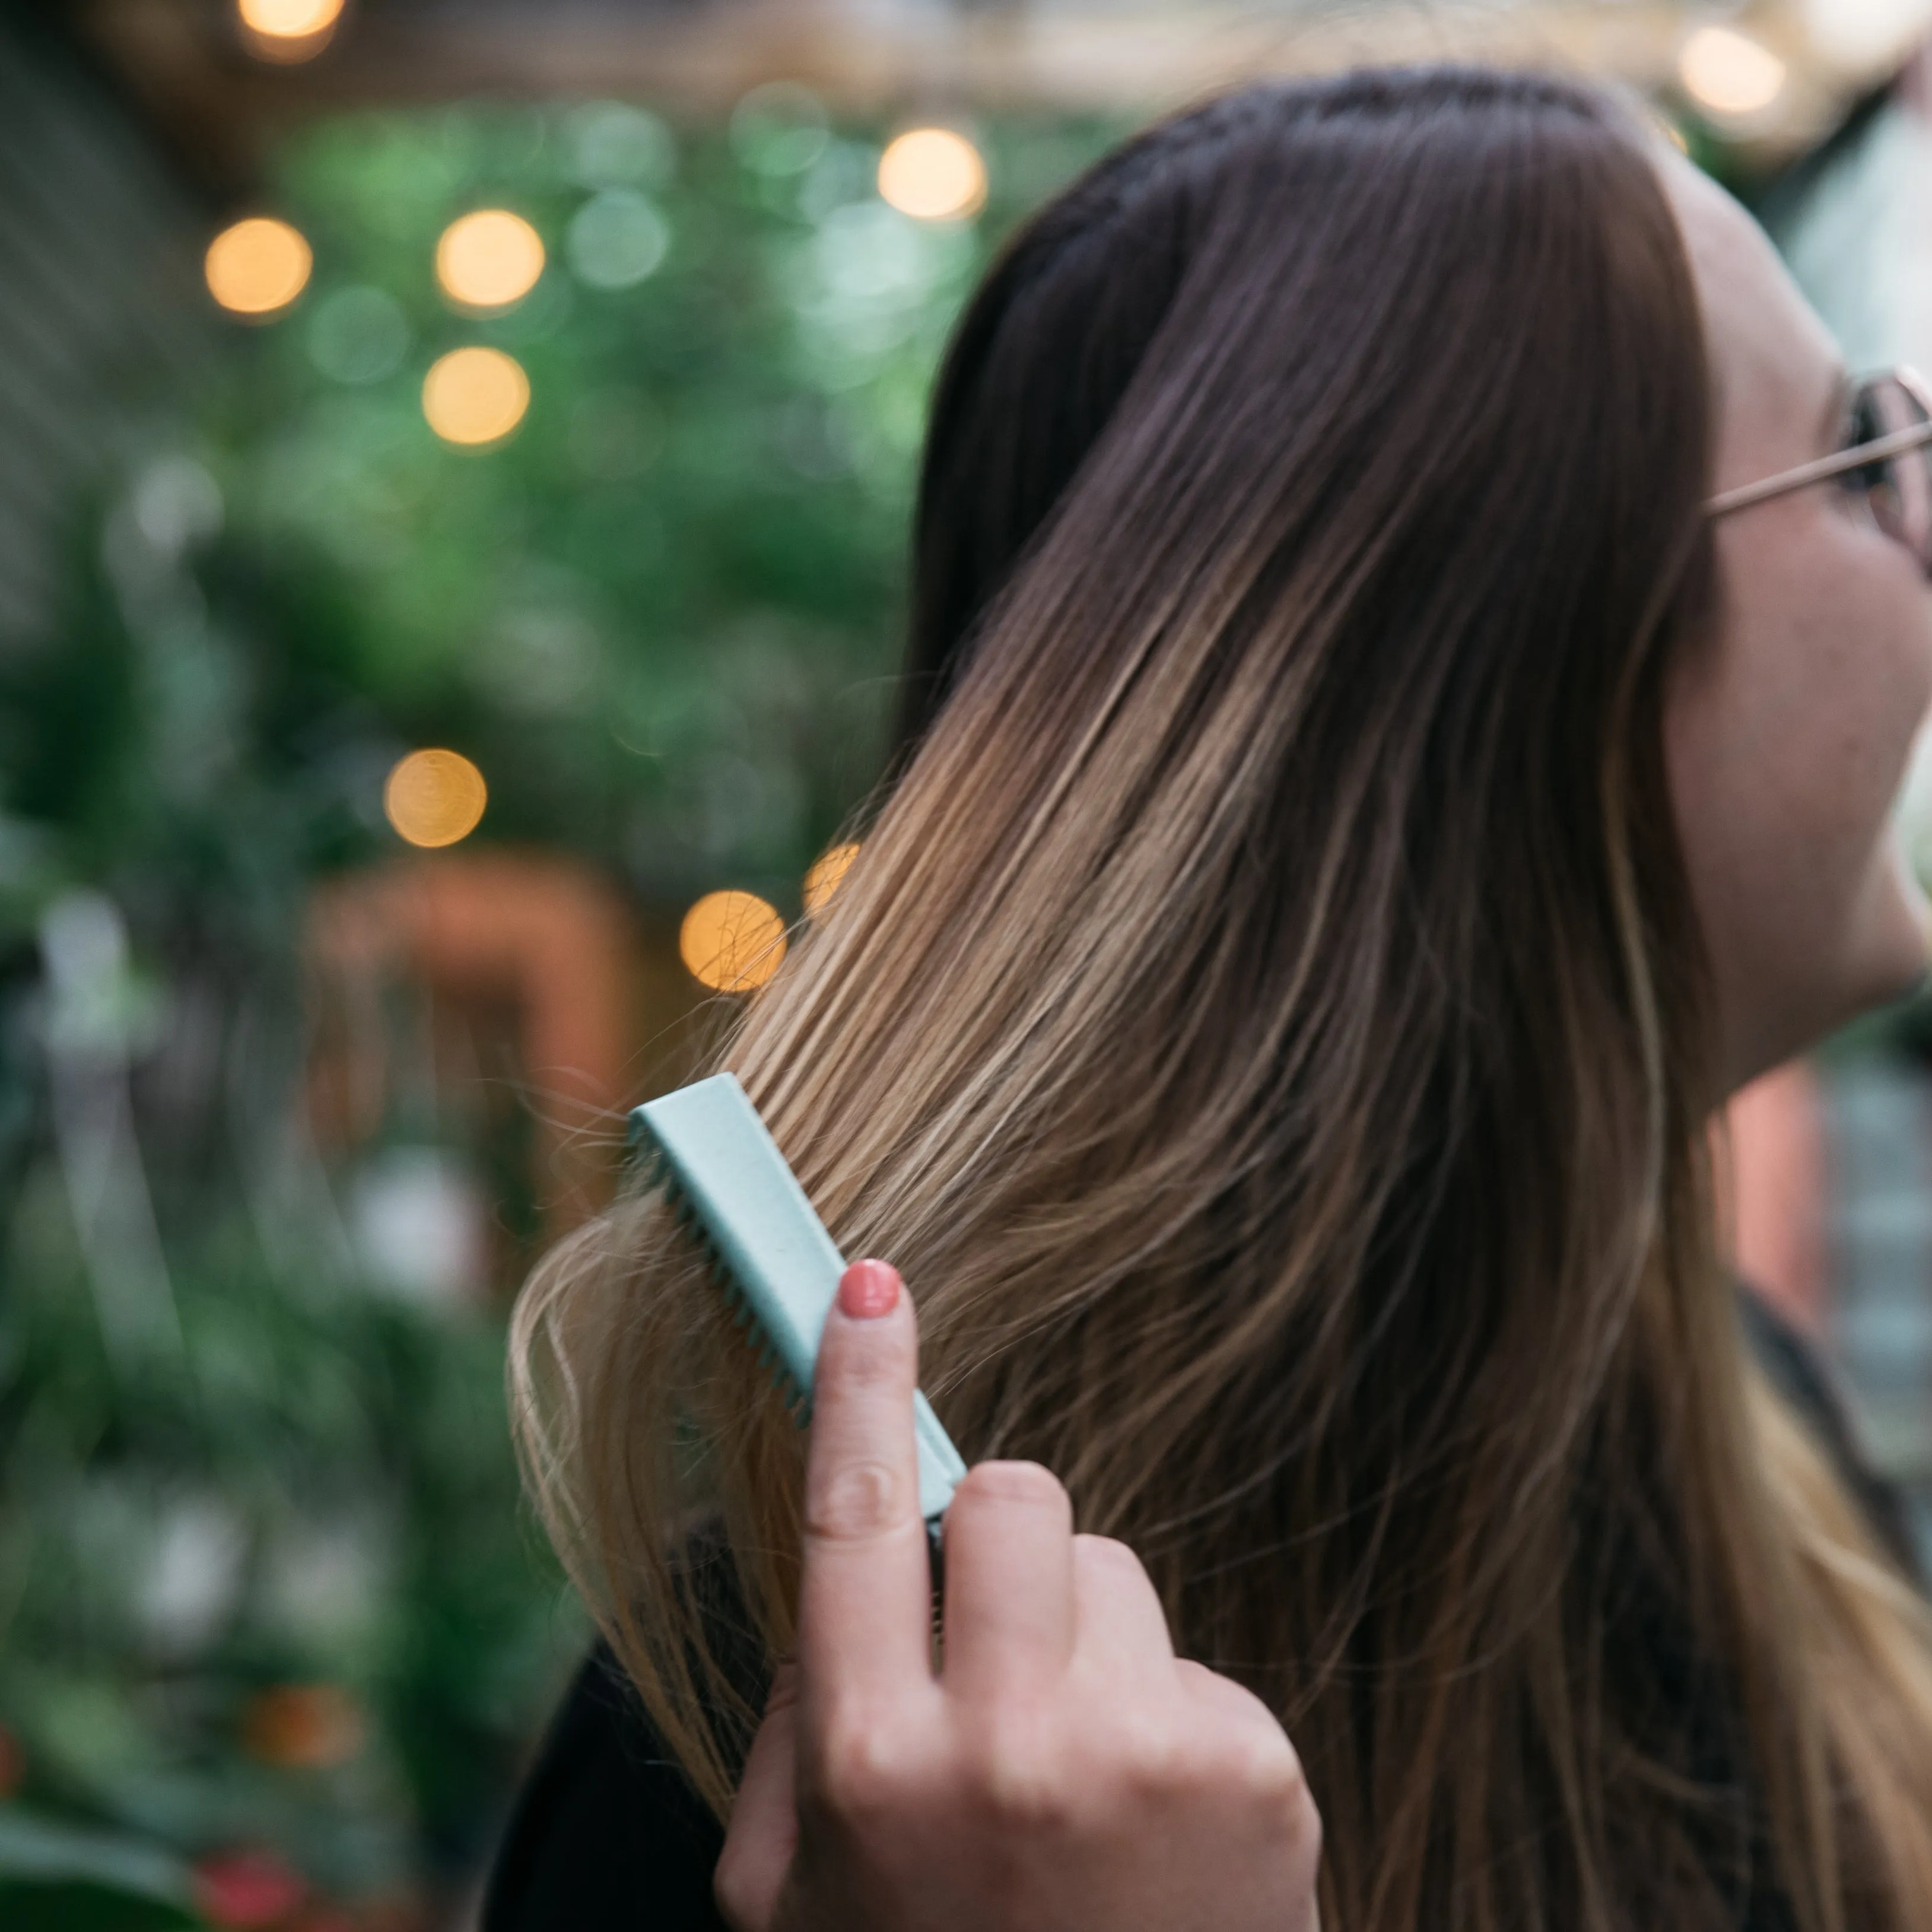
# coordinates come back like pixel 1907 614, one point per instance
pixel 869 1289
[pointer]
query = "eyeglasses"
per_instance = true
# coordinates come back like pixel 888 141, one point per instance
pixel 1887 459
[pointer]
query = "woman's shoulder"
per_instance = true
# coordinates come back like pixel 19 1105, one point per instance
pixel 607 1832
pixel 1799 1369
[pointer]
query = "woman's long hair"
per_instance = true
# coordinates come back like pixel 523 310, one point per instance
pixel 1266 1026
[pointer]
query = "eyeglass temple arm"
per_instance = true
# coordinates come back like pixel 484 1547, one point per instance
pixel 1916 437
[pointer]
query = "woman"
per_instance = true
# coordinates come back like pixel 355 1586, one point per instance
pixel 1367 808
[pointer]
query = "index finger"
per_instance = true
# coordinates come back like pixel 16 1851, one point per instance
pixel 865 1615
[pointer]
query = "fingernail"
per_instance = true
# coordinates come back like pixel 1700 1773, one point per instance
pixel 869 1289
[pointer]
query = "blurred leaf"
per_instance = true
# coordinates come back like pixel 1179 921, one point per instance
pixel 51 1875
pixel 80 1907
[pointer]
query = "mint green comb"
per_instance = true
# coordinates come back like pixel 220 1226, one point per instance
pixel 769 1252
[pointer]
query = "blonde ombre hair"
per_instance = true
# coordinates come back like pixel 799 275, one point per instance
pixel 1266 1026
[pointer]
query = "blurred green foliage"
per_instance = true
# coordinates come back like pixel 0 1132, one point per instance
pixel 662 618
pixel 54 1879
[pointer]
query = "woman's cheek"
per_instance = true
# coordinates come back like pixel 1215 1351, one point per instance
pixel 1881 675
pixel 1789 737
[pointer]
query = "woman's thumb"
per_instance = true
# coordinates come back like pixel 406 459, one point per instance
pixel 763 1831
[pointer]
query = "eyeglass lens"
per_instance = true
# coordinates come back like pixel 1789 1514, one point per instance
pixel 1898 488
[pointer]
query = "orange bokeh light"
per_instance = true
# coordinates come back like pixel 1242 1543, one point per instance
pixel 435 797
pixel 475 396
pixel 934 174
pixel 289 19
pixel 257 267
pixel 287 31
pixel 732 942
pixel 827 874
pixel 489 259
pixel 306 1727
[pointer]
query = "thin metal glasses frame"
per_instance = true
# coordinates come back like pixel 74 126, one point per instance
pixel 1878 450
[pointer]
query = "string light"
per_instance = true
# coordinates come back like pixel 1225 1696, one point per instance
pixel 489 259
pixel 288 30
pixel 732 941
pixel 289 19
pixel 259 266
pixel 934 174
pixel 827 874
pixel 475 396
pixel 435 797
pixel 1729 74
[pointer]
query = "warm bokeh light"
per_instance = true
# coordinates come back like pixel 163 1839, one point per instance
pixel 732 941
pixel 934 173
pixel 289 19
pixel 287 30
pixel 1729 74
pixel 435 797
pixel 258 266
pixel 489 259
pixel 827 874
pixel 475 396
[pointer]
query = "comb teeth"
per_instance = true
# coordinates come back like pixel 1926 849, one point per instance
pixel 765 1249
pixel 658 1173
pixel 797 1401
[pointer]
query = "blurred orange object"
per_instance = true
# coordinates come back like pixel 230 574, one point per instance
pixel 304 1726
pixel 1771 1164
pixel 247 1889
pixel 541 941
pixel 12 1765
pixel 732 941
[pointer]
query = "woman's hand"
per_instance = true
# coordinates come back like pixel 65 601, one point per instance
pixel 1063 1772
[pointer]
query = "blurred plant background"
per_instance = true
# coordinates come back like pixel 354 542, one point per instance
pixel 424 692
pixel 267 1598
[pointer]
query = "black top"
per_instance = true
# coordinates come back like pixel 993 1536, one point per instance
pixel 608 1837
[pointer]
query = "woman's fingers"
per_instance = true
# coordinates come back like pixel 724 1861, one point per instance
pixel 865 1615
pixel 1270 1773
pixel 1067 1771
pixel 1119 1619
pixel 1009 1581
pixel 764 1832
